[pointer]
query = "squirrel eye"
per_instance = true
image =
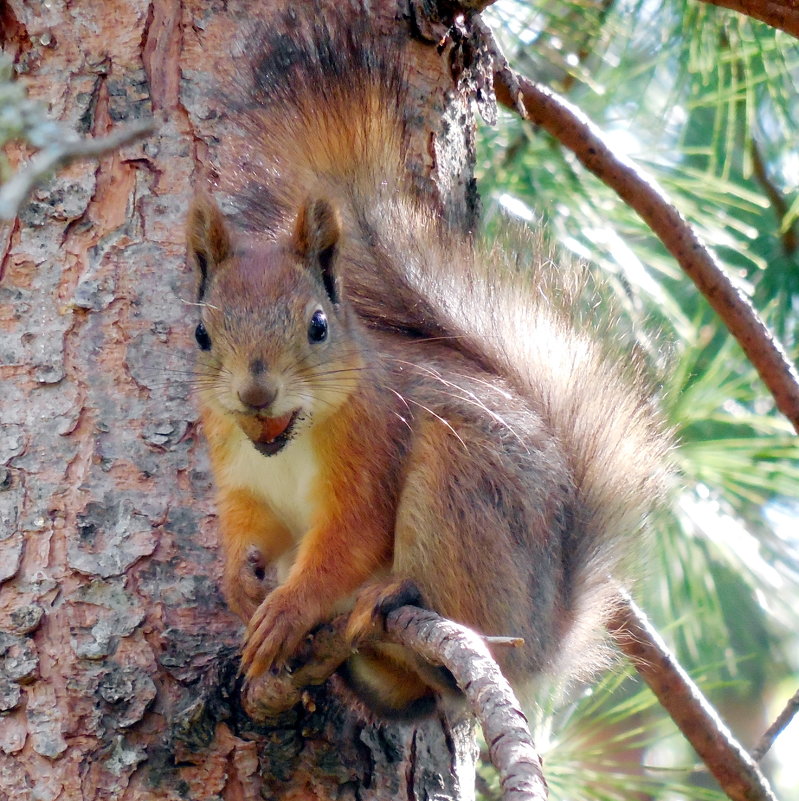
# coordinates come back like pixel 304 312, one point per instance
pixel 317 328
pixel 202 337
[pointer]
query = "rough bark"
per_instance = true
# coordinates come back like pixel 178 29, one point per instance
pixel 113 629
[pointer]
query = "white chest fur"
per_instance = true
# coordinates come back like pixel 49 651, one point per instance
pixel 284 481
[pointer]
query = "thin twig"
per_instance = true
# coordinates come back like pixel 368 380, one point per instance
pixel 17 188
pixel 774 730
pixel 775 197
pixel 573 130
pixel 503 642
pixel 782 14
pixel 734 769
pixel 484 788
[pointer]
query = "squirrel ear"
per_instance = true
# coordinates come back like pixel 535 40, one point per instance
pixel 316 236
pixel 208 239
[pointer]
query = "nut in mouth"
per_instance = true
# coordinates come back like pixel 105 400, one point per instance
pixel 269 435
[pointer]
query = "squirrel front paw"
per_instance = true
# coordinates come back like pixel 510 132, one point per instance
pixel 276 630
pixel 375 601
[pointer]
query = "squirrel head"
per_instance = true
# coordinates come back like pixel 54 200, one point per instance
pixel 279 350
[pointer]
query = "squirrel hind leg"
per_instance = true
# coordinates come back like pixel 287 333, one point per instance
pixel 395 683
pixel 391 680
pixel 375 601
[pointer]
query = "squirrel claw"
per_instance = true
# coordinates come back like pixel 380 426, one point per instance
pixel 274 633
pixel 375 601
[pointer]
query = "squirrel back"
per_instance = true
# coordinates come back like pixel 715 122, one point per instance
pixel 482 409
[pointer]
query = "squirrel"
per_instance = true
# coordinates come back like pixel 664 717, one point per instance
pixel 395 414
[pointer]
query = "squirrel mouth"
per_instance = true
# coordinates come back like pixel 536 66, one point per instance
pixel 273 433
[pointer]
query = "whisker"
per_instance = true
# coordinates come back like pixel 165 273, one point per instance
pixel 332 381
pixel 403 420
pixel 430 411
pixel 199 303
pixel 468 397
pixel 342 370
pixel 504 393
pixel 491 413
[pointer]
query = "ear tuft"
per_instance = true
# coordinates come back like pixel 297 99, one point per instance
pixel 207 239
pixel 316 238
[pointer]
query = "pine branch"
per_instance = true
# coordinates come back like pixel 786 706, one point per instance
pixel 734 769
pixel 574 131
pixel 782 14
pixel 487 691
pixel 775 197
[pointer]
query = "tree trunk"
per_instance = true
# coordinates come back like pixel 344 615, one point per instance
pixel 116 678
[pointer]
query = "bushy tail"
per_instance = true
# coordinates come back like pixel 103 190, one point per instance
pixel 598 395
pixel 321 109
pixel 554 334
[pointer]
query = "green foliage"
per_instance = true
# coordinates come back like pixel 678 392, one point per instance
pixel 605 746
pixel 704 101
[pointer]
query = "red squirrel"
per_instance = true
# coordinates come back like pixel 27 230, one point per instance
pixel 388 405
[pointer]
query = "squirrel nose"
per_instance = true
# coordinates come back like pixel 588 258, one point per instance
pixel 257 392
